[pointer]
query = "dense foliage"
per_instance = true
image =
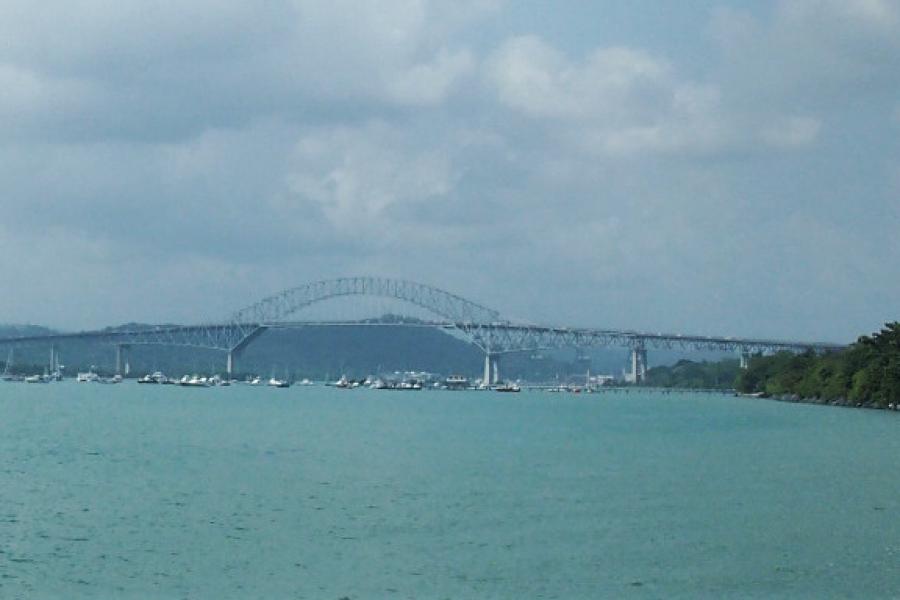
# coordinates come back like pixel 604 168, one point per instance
pixel 688 374
pixel 867 372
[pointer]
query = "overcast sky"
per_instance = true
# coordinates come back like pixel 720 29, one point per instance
pixel 716 166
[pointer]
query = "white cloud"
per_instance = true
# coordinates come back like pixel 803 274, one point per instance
pixel 360 175
pixel 429 83
pixel 791 132
pixel 617 101
pixel 145 70
pixel 537 79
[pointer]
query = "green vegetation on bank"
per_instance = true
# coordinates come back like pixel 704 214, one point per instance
pixel 867 372
pixel 687 374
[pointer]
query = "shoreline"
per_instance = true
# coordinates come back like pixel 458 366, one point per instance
pixel 840 402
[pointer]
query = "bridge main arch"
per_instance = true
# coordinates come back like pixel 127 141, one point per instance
pixel 447 306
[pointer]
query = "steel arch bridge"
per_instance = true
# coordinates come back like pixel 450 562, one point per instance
pixel 480 325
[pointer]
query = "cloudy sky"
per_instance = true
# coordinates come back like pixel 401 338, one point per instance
pixel 716 166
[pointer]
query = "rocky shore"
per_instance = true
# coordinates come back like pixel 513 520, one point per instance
pixel 795 399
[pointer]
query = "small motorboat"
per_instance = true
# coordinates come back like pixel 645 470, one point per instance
pixel 508 387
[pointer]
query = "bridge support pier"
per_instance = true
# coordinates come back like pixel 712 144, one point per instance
pixel 491 370
pixel 745 359
pixel 235 351
pixel 638 362
pixel 121 357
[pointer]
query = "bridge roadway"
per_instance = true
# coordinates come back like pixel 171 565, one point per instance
pixel 494 339
pixel 478 324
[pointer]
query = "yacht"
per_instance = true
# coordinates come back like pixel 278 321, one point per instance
pixel 281 383
pixel 193 381
pixel 88 377
pixel 156 377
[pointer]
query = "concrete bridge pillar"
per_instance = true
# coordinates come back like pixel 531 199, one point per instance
pixel 491 370
pixel 121 357
pixel 745 359
pixel 235 352
pixel 638 362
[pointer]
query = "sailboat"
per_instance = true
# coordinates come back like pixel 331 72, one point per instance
pixel 7 375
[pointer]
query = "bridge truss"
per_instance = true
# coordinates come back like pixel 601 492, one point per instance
pixel 474 322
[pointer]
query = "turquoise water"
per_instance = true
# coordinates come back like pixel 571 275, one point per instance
pixel 135 491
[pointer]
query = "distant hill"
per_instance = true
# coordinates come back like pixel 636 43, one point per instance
pixel 23 330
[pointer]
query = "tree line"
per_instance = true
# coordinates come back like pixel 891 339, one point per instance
pixel 866 372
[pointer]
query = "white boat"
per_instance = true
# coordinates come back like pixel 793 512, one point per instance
pixel 88 377
pixel 35 379
pixel 456 382
pixel 193 381
pixel 508 387
pixel 217 381
pixel 278 383
pixel 156 377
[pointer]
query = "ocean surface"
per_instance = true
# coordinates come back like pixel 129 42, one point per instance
pixel 141 491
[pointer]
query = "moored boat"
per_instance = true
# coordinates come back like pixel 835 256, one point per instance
pixel 456 382
pixel 88 377
pixel 156 377
pixel 508 387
